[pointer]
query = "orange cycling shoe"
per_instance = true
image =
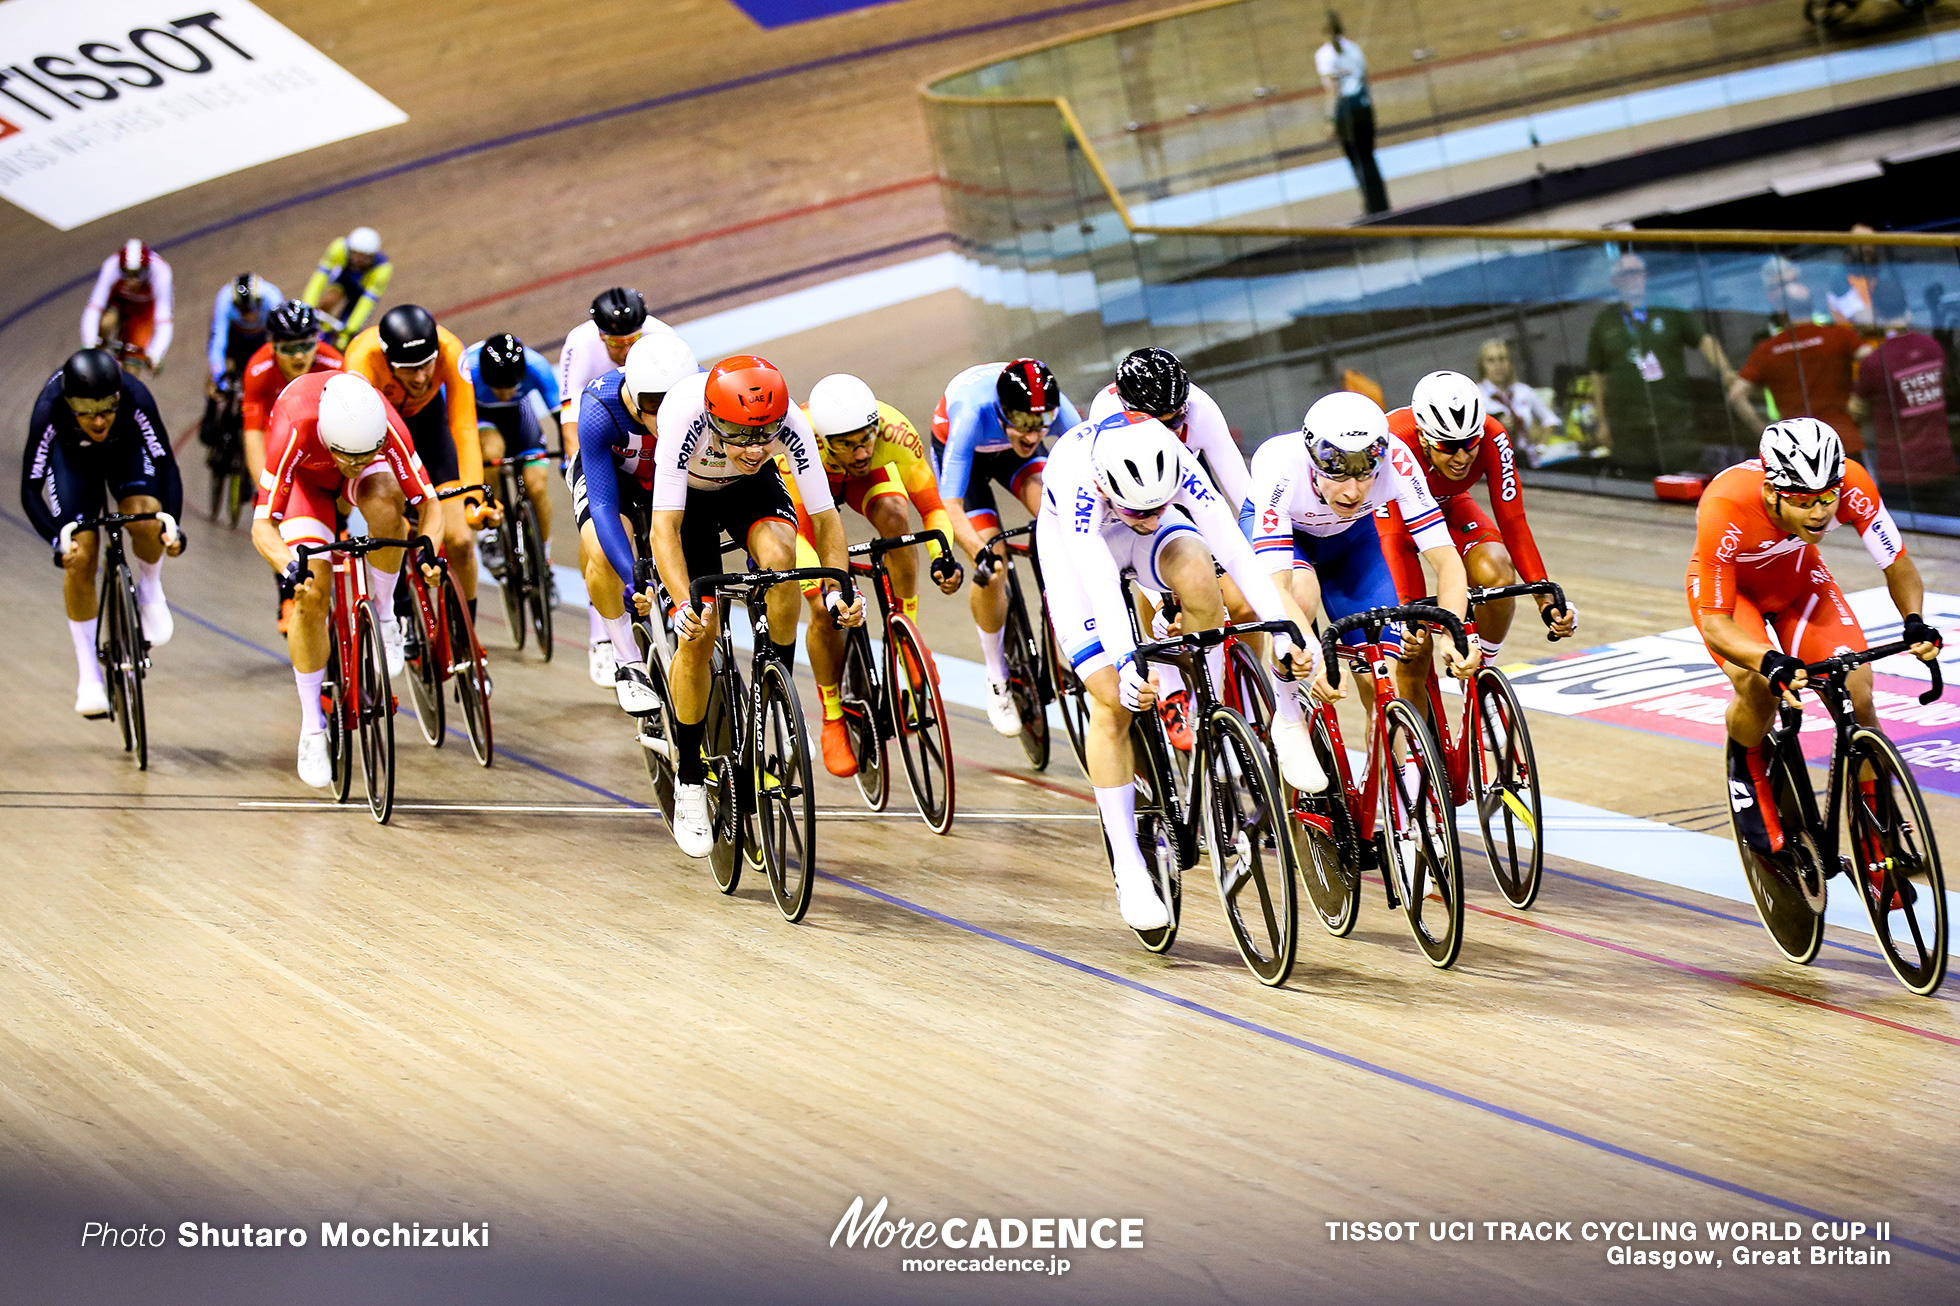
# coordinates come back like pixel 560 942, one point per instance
pixel 838 759
pixel 1176 713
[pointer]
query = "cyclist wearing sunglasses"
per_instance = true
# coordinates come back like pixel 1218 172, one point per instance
pixel 1124 495
pixel 1315 495
pixel 1756 565
pixel 294 350
pixel 714 470
pixel 989 429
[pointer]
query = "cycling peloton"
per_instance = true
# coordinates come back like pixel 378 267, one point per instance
pixel 1756 566
pixel 988 430
pixel 94 427
pixel 714 471
pixel 129 312
pixel 352 276
pixel 516 396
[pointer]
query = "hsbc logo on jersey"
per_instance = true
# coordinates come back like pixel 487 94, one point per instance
pixel 7 129
pixel 1269 521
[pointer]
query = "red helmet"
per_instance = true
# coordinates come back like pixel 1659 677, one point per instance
pixel 747 399
pixel 135 259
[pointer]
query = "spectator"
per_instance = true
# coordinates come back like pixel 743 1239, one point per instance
pixel 1527 418
pixel 1805 366
pixel 1638 359
pixel 1901 387
pixel 1343 73
pixel 1852 306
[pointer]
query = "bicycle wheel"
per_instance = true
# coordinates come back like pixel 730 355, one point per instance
pixel 1157 831
pixel 516 578
pixel 1420 826
pixel 721 745
pixel 1071 699
pixel 1326 844
pixel 656 734
pixel 339 710
pixel 1508 803
pixel 537 584
pixel 242 489
pixel 129 654
pixel 1024 679
pixel 422 663
pixel 1788 886
pixel 375 702
pixel 785 793
pixel 925 744
pixel 468 671
pixel 860 691
pixel 1895 863
pixel 1247 690
pixel 1249 852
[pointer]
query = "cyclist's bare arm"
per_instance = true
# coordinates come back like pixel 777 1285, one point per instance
pixel 1453 595
pixel 963 533
pixel 828 525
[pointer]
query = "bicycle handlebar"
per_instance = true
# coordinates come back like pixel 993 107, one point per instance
pixel 1199 640
pixel 703 586
pixel 1375 618
pixel 1496 592
pixel 1833 667
pixel 455 490
pixel 880 547
pixel 361 545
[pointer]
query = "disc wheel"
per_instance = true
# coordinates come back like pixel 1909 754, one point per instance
pixel 859 690
pixel 1326 844
pixel 1024 678
pixel 468 670
pixel 1250 852
pixel 1510 811
pixel 785 793
pixel 423 663
pixel 925 743
pixel 1071 699
pixel 537 588
pixel 1423 856
pixel 1157 831
pixel 1895 863
pixel 376 706
pixel 1788 886
pixel 732 849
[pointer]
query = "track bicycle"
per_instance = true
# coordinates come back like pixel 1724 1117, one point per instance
pixel 758 748
pixel 222 431
pixel 1400 820
pixel 120 645
pixel 903 702
pixel 1031 662
pixel 1892 862
pixel 440 648
pixel 526 576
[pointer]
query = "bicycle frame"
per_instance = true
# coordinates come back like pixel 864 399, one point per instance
pixel 1017 547
pixel 868 559
pixel 1459 750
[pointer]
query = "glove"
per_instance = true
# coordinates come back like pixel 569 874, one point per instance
pixel 983 567
pixel 1916 631
pixel 1284 647
pixel 291 578
pixel 942 567
pixel 1779 668
pixel 1131 685
pixel 834 601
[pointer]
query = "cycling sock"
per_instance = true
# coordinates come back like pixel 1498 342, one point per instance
pixel 1286 701
pixel 833 702
pixel 787 652
pixel 312 719
pixel 1748 791
pixel 597 626
pixel 687 752
pixel 911 607
pixel 995 654
pixel 83 633
pixel 1490 650
pixel 1170 678
pixel 149 581
pixel 1119 818
pixel 620 631
pixel 381 584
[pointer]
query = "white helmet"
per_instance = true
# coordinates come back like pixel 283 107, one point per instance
pixel 364 240
pixel 1802 455
pixel 840 404
pixel 1447 406
pixel 657 362
pixel 1346 434
pixel 353 416
pixel 1137 461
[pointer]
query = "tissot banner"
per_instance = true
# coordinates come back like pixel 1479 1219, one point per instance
pixel 108 103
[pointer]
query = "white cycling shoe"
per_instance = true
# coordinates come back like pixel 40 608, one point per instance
pixel 1299 766
pixel 693 831
pixel 635 690
pixel 1001 710
pixel 92 699
pixel 158 625
pixel 391 644
pixel 600 663
pixel 1136 898
pixel 315 767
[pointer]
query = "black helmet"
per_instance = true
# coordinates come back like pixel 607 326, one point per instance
pixel 619 311
pixel 1152 381
pixel 245 291
pixel 1027 386
pixel 293 320
pixel 91 374
pixel 500 363
pixel 408 335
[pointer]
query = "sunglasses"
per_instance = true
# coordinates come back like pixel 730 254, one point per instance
pixel 745 437
pixel 94 407
pixel 1132 514
pixel 854 441
pixel 1029 423
pixel 621 342
pixel 1465 445
pixel 1805 502
pixel 294 347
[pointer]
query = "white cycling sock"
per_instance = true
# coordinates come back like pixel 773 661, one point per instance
pixel 83 633
pixel 381 586
pixel 312 718
pixel 1119 818
pixel 1286 700
pixel 600 634
pixel 992 649
pixel 1170 678
pixel 620 631
pixel 1490 649
pixel 149 581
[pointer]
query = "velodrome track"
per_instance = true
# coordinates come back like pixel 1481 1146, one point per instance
pixel 227 1003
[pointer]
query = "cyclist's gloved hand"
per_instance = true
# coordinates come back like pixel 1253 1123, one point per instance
pixel 983 567
pixel 292 577
pixel 1916 631
pixel 1284 650
pixel 1132 687
pixel 946 573
pixel 1780 669
pixel 842 613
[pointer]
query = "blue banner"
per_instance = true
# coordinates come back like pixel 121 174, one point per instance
pixel 784 13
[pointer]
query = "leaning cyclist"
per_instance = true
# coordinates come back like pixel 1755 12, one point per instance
pixel 95 427
pixel 334 439
pixel 352 276
pixel 516 417
pixel 1756 565
pixel 1123 495
pixel 239 315
pixel 714 472
pixel 875 461
pixel 130 310
pixel 988 430
pixel 611 479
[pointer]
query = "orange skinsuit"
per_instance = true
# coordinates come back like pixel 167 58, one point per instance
pixel 365 357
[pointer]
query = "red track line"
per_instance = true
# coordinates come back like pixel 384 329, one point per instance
pixel 667 247
pixel 1688 969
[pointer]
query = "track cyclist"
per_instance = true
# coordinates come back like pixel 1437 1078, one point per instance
pixel 293 350
pixel 615 323
pixel 95 426
pixel 988 430
pixel 334 440
pixel 1123 494
pixel 418 368
pixel 611 479
pixel 352 276
pixel 1756 565
pixel 516 400
pixel 875 461
pixel 1316 493
pixel 239 316
pixel 130 310
pixel 1456 444
pixel 1154 381
pixel 714 471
